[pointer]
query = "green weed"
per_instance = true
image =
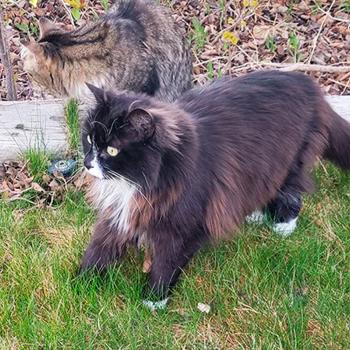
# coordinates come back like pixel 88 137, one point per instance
pixel 199 36
pixel 294 46
pixel 270 44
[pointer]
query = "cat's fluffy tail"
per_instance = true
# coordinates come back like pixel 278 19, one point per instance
pixel 338 150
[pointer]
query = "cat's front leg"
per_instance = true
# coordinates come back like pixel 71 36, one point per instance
pixel 170 255
pixel 104 249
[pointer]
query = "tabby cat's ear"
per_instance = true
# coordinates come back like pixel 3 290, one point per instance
pixel 100 94
pixel 46 27
pixel 142 122
pixel 31 45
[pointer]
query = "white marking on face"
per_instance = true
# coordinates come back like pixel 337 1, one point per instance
pixel 257 217
pixel 116 195
pixel 95 169
pixel 285 228
pixel 155 305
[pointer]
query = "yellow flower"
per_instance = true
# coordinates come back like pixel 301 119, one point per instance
pixel 76 4
pixel 34 3
pixel 230 21
pixel 250 3
pixel 243 24
pixel 232 38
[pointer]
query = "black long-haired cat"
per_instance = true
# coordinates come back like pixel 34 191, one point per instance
pixel 179 175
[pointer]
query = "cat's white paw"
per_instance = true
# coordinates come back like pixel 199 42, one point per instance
pixel 285 228
pixel 257 217
pixel 156 305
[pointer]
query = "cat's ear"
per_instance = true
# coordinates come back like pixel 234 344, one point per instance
pixel 142 122
pixel 100 94
pixel 46 27
pixel 31 45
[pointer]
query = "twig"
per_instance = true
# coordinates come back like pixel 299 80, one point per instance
pixel 345 86
pixel 69 13
pixel 319 32
pixel 306 67
pixel 5 58
pixel 339 83
pixel 332 17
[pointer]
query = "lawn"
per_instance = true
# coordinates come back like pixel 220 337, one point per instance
pixel 265 292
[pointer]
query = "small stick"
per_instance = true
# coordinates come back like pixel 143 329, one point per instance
pixel 5 58
pixel 306 67
pixel 319 33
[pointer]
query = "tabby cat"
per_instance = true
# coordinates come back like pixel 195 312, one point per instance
pixel 180 175
pixel 137 46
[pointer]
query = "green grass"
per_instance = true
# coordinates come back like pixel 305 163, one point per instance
pixel 266 292
pixel 72 122
pixel 345 6
pixel 38 160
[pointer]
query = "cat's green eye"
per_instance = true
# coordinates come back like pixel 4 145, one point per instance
pixel 112 151
pixel 89 139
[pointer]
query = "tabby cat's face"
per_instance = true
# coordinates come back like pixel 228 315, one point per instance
pixel 61 62
pixel 42 70
pixel 41 66
pixel 116 139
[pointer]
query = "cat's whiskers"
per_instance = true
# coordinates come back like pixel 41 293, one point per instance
pixel 103 125
pixel 122 126
pixel 144 176
pixel 111 128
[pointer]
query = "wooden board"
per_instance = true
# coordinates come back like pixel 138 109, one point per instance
pixel 27 124
pixel 341 104
pixel 40 123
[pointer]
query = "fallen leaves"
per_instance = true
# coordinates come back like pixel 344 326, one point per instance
pixel 16 183
pixel 233 36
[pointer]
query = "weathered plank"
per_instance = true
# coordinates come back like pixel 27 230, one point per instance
pixel 341 104
pixel 41 123
pixel 27 124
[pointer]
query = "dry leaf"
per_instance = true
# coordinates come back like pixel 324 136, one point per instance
pixel 54 185
pixel 36 187
pixel 205 308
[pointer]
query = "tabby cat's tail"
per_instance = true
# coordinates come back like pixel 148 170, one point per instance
pixel 338 150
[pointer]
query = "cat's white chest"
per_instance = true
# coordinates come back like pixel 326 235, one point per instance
pixel 115 198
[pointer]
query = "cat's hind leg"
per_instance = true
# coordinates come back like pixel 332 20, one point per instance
pixel 171 253
pixel 284 211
